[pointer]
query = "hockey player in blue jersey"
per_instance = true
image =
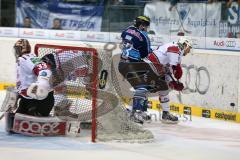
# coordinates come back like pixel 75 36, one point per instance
pixel 136 46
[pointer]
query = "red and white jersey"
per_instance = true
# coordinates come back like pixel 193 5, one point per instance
pixel 28 68
pixel 164 56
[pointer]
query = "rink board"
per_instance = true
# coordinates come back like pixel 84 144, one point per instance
pixel 185 109
pixel 214 83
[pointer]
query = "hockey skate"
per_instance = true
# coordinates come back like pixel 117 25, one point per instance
pixel 139 117
pixel 169 118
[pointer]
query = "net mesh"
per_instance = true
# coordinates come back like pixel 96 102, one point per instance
pixel 74 76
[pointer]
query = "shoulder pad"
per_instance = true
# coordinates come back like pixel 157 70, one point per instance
pixel 173 49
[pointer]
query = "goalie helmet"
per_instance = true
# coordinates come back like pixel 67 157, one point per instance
pixel 21 47
pixel 142 20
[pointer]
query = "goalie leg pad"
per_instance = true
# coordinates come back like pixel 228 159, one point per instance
pixel 38 126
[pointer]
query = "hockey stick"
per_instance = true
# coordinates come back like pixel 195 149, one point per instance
pixel 1 116
pixel 170 75
pixel 10 102
pixel 180 92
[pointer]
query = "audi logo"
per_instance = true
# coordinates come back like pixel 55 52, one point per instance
pixel 196 79
pixel 230 43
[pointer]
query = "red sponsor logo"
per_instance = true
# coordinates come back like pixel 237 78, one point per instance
pixel 39 128
pixel 28 32
pixel 219 43
pixel 59 35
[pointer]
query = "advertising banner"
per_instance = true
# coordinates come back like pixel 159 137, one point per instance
pixel 223 43
pixel 33 33
pixel 64 35
pixel 207 78
pixel 193 19
pixel 229 26
pixel 94 36
pixel 8 32
pixel 73 16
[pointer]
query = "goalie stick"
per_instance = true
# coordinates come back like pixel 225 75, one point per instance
pixel 10 102
pixel 1 116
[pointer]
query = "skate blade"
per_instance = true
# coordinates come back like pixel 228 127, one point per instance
pixel 169 122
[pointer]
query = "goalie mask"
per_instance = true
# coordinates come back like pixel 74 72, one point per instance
pixel 21 47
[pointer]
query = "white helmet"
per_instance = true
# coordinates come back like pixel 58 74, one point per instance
pixel 184 40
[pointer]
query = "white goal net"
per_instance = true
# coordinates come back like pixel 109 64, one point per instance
pixel 87 90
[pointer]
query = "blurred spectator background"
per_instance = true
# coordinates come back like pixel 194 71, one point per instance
pixel 56 24
pixel 109 15
pixel 27 22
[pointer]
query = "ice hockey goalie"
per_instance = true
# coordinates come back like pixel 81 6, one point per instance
pixel 27 111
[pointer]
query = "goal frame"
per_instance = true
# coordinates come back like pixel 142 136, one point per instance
pixel 93 85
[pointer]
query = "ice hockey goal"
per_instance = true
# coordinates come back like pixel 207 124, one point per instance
pixel 86 87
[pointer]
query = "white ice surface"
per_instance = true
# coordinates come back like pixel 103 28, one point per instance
pixel 199 139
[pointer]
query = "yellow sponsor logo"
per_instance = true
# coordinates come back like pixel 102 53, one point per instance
pixel 3 86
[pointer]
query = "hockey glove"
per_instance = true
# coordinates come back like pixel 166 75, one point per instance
pixel 177 71
pixel 40 89
pixel 178 86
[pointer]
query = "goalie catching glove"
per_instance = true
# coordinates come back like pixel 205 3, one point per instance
pixel 40 89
